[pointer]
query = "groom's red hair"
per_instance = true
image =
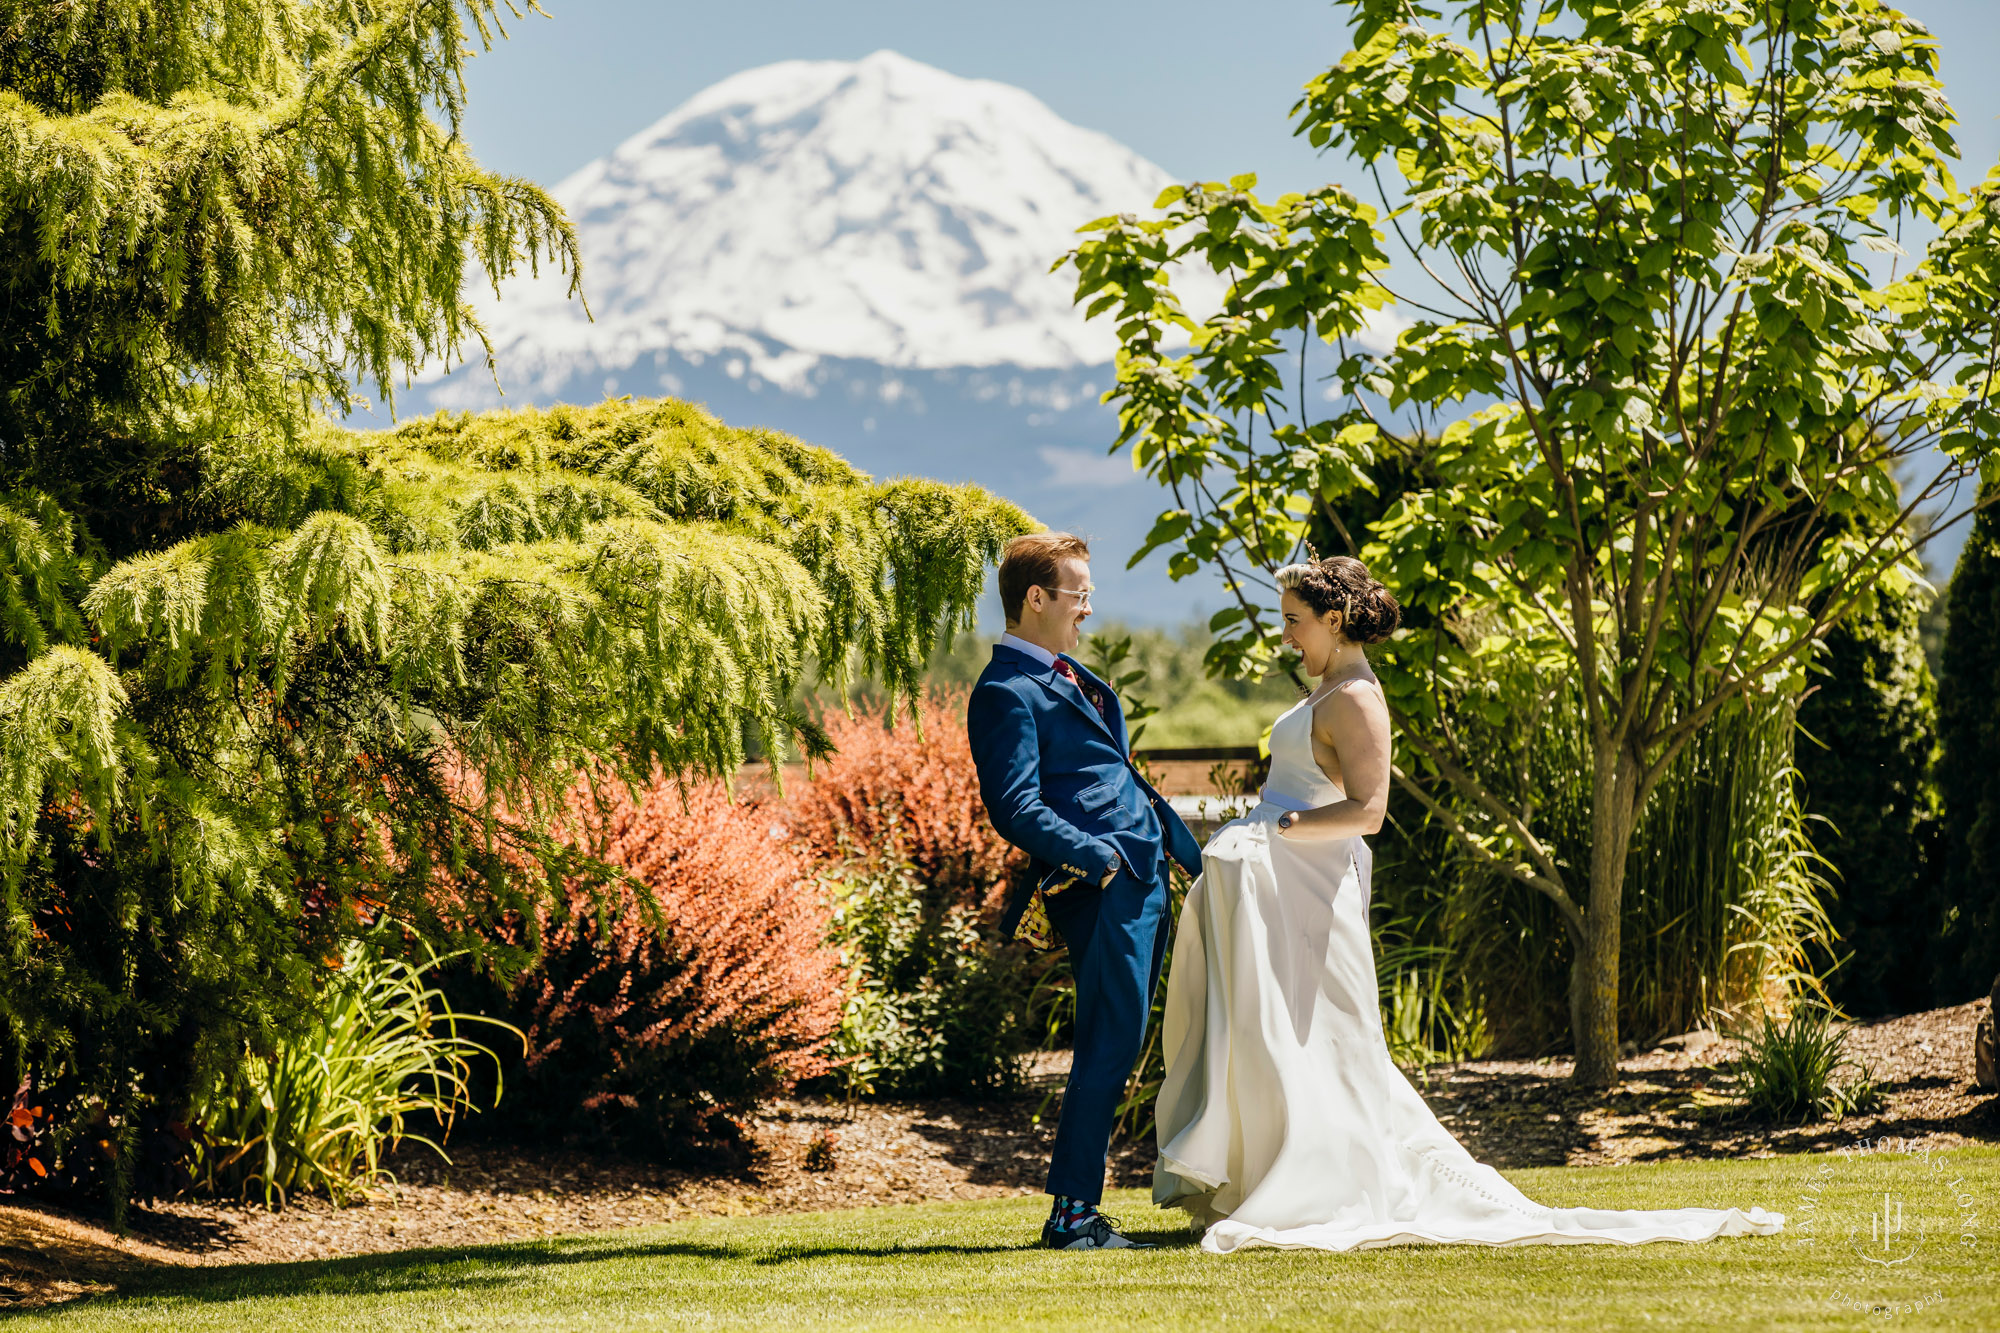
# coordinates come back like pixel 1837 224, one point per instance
pixel 1030 562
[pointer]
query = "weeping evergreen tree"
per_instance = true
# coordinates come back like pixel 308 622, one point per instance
pixel 263 679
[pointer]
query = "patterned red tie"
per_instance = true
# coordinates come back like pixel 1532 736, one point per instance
pixel 1068 673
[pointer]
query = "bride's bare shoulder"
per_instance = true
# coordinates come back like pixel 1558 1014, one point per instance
pixel 1360 691
pixel 1352 701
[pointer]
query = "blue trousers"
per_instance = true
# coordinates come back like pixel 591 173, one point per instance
pixel 1116 938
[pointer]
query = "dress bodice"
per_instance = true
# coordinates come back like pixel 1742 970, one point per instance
pixel 1296 781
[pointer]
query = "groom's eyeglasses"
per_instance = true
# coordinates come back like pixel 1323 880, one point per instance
pixel 1082 594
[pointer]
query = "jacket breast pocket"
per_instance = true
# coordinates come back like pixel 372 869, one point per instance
pixel 1102 804
pixel 1091 800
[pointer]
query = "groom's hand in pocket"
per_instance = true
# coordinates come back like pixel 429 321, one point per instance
pixel 1076 876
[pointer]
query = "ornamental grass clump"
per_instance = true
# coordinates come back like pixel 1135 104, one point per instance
pixel 1799 1069
pixel 1724 899
pixel 321 1113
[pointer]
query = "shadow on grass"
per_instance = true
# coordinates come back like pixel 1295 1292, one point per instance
pixel 486 1267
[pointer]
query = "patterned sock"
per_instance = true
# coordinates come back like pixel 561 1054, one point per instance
pixel 1069 1214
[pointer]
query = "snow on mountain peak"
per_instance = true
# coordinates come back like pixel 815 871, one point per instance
pixel 880 209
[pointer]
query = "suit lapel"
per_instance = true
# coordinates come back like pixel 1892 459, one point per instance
pixel 1087 680
pixel 1052 681
pixel 1070 694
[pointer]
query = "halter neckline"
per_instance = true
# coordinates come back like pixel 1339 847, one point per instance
pixel 1337 686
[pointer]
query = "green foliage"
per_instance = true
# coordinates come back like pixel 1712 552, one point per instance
pixel 1194 707
pixel 1799 1070
pixel 1967 953
pixel 1108 660
pixel 1866 758
pixel 1723 894
pixel 313 699
pixel 215 214
pixel 934 1008
pixel 1421 1021
pixel 319 1113
pixel 254 667
pixel 1423 1026
pixel 1654 232
pixel 220 209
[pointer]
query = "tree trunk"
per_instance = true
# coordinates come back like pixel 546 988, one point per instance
pixel 1593 977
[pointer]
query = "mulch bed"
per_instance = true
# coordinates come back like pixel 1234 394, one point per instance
pixel 1679 1100
pixel 1676 1101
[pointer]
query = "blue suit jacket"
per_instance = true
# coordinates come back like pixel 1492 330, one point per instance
pixel 1058 781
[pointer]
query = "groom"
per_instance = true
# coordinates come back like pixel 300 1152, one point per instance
pixel 1048 740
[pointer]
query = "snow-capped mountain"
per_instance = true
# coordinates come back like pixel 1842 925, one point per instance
pixel 877 210
pixel 857 252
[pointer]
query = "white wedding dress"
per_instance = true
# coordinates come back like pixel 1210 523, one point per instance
pixel 1282 1121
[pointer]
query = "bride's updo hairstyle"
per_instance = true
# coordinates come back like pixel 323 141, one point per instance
pixel 1368 613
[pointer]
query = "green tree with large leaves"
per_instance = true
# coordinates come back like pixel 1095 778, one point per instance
pixel 1666 343
pixel 263 679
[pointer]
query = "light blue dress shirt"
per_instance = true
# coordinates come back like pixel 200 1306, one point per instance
pixel 1034 650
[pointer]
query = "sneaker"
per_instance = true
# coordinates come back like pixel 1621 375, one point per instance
pixel 1096 1232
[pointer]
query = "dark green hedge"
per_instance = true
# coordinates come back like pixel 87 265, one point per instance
pixel 1866 757
pixel 1968 951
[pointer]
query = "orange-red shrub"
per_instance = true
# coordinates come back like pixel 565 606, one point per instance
pixel 662 1037
pixel 889 795
pixel 938 1009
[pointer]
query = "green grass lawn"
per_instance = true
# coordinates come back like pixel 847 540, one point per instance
pixel 974 1265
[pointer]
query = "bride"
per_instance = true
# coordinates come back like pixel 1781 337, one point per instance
pixel 1282 1121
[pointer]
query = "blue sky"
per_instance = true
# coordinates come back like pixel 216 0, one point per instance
pixel 1203 88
